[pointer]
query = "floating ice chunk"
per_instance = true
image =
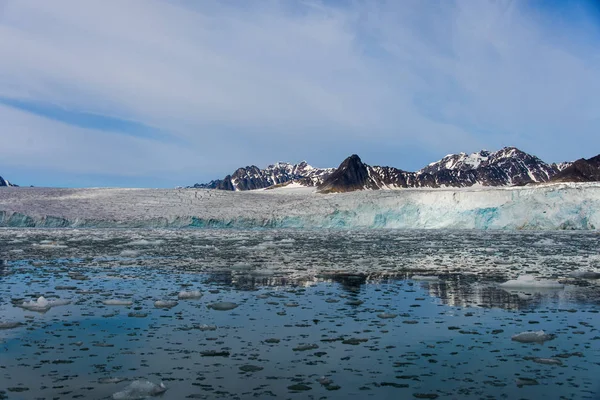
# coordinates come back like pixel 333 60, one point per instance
pixel 533 337
pixel 49 244
pixel 223 306
pixel 424 278
pixel 129 253
pixel 111 380
pixel 529 281
pixel 585 275
pixel 547 361
pixel 10 325
pixel 42 304
pixel 145 242
pixel 193 294
pixel 386 315
pixel 205 327
pixel 526 382
pixel 117 302
pixel 140 389
pixel 165 303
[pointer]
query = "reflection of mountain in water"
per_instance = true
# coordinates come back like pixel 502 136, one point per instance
pixel 457 293
pixel 350 282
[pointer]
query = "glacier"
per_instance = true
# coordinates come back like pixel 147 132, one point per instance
pixel 564 206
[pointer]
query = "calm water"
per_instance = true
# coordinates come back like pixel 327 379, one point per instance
pixel 374 314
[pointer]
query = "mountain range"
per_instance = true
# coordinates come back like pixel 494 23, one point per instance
pixel 506 167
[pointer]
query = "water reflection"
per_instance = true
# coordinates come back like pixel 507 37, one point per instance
pixel 451 290
pixel 3 268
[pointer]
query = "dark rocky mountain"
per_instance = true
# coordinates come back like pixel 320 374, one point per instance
pixel 506 167
pixel 252 177
pixel 580 171
pixel 4 182
pixel 351 175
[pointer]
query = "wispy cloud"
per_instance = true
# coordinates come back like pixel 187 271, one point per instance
pixel 231 83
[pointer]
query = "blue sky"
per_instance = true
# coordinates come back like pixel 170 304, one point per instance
pixel 148 93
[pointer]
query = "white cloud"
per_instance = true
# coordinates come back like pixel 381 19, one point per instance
pixel 37 142
pixel 234 80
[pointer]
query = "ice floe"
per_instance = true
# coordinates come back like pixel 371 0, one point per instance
pixel 533 337
pixel 117 302
pixel 41 304
pixel 165 303
pixel 140 389
pixel 193 294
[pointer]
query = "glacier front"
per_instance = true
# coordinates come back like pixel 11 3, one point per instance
pixel 542 207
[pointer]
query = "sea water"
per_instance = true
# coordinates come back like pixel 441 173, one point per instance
pixel 297 314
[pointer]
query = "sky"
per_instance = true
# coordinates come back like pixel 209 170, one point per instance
pixel 149 93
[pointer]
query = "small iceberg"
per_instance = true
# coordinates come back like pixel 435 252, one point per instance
pixel 165 303
pixel 222 306
pixel 533 337
pixel 42 304
pixel 117 302
pixel 193 294
pixel 10 325
pixel 140 389
pixel 529 281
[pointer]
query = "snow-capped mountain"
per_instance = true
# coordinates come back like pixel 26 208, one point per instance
pixel 4 182
pixel 506 167
pixel 252 177
pixel 581 170
pixel 563 165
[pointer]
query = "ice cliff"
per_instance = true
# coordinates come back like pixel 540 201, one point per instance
pixel 544 207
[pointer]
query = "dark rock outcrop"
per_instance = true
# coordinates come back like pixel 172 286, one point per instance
pixel 4 182
pixel 581 170
pixel 351 175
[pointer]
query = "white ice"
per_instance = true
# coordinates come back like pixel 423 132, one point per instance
pixel 42 304
pixel 117 302
pixel 532 337
pixel 529 281
pixel 140 389
pixel 539 207
pixel 194 294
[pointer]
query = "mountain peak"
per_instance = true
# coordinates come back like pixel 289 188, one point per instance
pixel 4 182
pixel 352 174
pixel 581 170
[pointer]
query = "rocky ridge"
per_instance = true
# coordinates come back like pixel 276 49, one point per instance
pixel 508 166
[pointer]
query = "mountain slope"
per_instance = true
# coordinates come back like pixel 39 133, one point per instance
pixel 252 177
pixel 506 167
pixel 4 182
pixel 581 170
